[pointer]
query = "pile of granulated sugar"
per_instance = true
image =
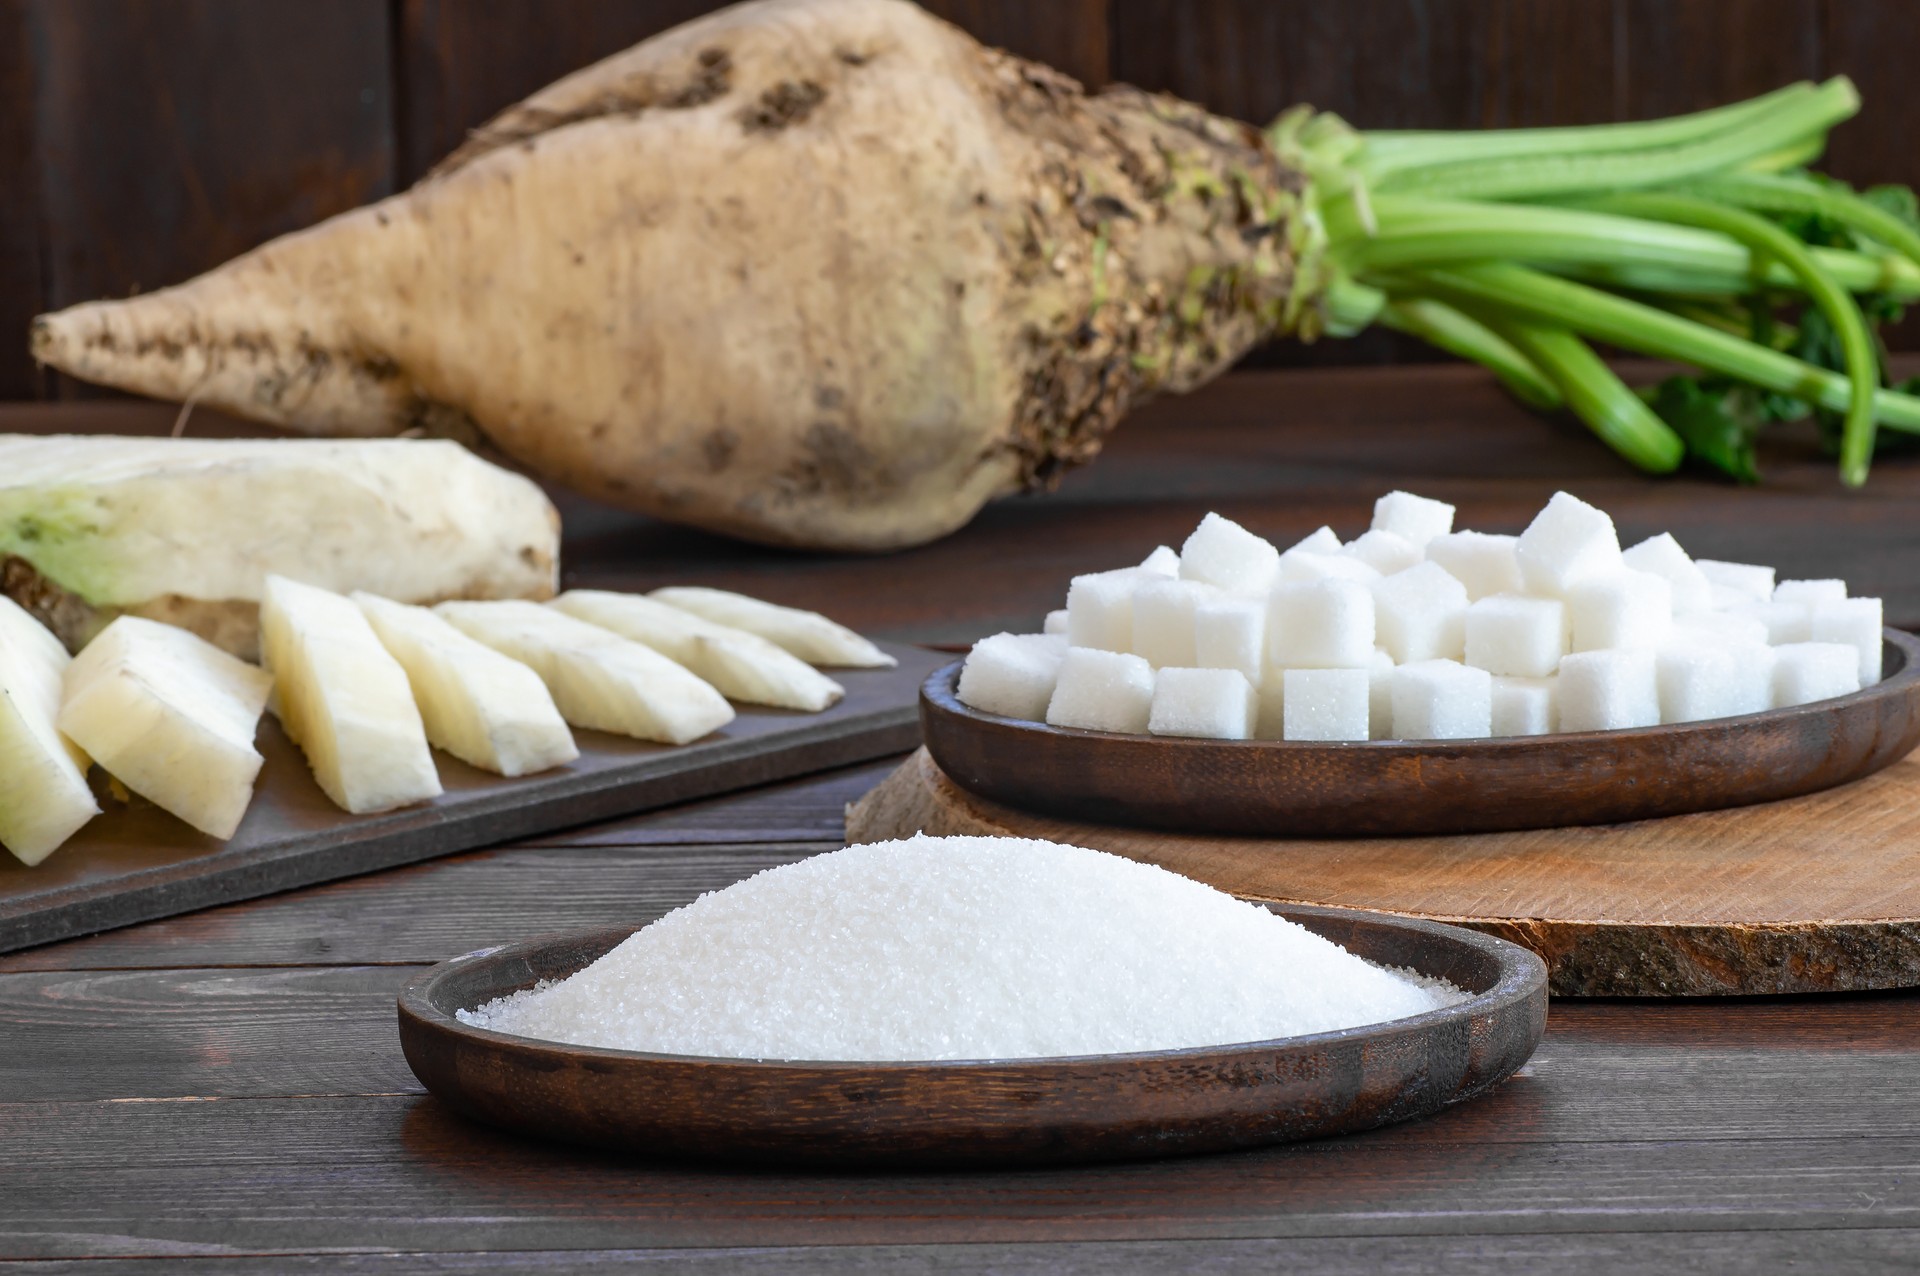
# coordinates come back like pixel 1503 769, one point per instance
pixel 961 948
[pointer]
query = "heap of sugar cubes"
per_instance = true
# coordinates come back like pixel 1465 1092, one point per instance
pixel 1414 631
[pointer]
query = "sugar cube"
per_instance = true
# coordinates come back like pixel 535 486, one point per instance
pixel 1662 556
pixel 1420 614
pixel 1297 565
pixel 1162 562
pixel 1320 541
pixel 1622 608
pixel 1414 518
pixel 1516 636
pixel 1809 592
pixel 1385 552
pixel 1856 622
pixel 1609 690
pixel 1484 562
pixel 1102 691
pixel 1012 674
pixel 1217 704
pixel 1698 680
pixel 1270 720
pixel 1325 704
pixel 1380 696
pixel 1566 542
pixel 1163 623
pixel 1784 621
pixel 1804 672
pixel 1221 552
pixel 1323 624
pixel 1524 706
pixel 1747 579
pixel 1056 623
pixel 1100 609
pixel 1230 632
pixel 1442 700
pixel 1752 678
pixel 1720 626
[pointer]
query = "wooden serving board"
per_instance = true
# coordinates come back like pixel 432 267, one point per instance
pixel 1813 894
pixel 136 863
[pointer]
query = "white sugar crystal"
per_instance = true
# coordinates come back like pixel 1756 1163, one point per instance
pixel 961 948
pixel 1804 672
pixel 1385 552
pixel 1420 614
pixel 1100 608
pixel 1217 704
pixel 1056 623
pixel 1321 541
pixel 1624 608
pixel 1662 556
pixel 1414 518
pixel 1567 541
pixel 1163 561
pixel 1698 680
pixel 1325 624
pixel 1808 593
pixel 1442 700
pixel 1856 622
pixel 1747 579
pixel 1270 716
pixel 1230 632
pixel 1525 706
pixel 1163 624
pixel 1729 598
pixel 1102 691
pixel 1326 704
pixel 1484 562
pixel 1221 552
pixel 1012 674
pixel 1721 626
pixel 1785 621
pixel 1380 696
pixel 1753 678
pixel 1516 636
pixel 1298 566
pixel 1608 690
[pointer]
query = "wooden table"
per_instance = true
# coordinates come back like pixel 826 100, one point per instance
pixel 225 1092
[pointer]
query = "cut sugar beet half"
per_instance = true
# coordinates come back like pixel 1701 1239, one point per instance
pixel 43 776
pixel 806 634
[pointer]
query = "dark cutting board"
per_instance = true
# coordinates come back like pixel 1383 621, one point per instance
pixel 133 864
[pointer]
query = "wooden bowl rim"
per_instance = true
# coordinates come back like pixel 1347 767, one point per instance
pixel 939 693
pixel 1522 975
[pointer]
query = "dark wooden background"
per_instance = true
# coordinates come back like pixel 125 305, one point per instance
pixel 142 141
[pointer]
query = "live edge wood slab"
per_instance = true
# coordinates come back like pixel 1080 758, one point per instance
pixel 1814 894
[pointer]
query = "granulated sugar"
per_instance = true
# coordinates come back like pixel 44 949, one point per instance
pixel 961 948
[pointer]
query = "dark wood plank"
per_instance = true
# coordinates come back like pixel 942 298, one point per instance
pixel 1687 55
pixel 1555 64
pixel 23 264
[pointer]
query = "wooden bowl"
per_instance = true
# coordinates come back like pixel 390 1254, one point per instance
pixel 1275 788
pixel 1023 1111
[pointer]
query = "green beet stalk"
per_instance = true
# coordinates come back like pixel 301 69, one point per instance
pixel 1446 328
pixel 1777 193
pixel 1596 395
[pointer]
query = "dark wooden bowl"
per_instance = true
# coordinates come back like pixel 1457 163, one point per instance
pixel 1025 1111
pixel 1275 788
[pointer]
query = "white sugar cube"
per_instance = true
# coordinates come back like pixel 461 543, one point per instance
pixel 1385 552
pixel 1056 623
pixel 1299 565
pixel 1216 704
pixel 1748 579
pixel 1856 622
pixel 1608 690
pixel 1221 552
pixel 1325 704
pixel 1752 678
pixel 1804 672
pixel 1323 624
pixel 1729 598
pixel 1525 706
pixel 1162 562
pixel 1622 608
pixel 1012 674
pixel 1808 593
pixel 1320 541
pixel 1785 621
pixel 1100 609
pixel 1230 632
pixel 1442 700
pixel 1484 562
pixel 1516 636
pixel 1270 719
pixel 1163 624
pixel 1102 691
pixel 1420 614
pixel 1414 518
pixel 1662 556
pixel 1567 541
pixel 1720 626
pixel 1380 696
pixel 1698 680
